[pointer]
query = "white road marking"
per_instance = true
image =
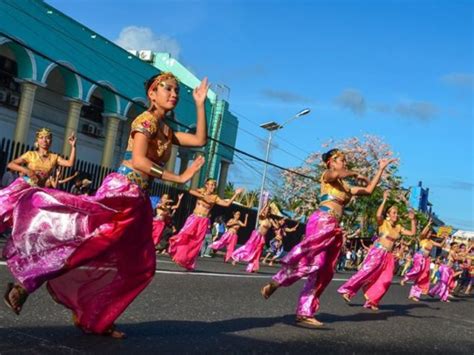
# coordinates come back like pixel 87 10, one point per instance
pixel 213 274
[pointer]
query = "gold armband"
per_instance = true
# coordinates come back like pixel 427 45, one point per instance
pixel 156 171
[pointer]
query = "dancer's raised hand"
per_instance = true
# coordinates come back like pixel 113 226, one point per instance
pixel 383 163
pixel 192 169
pixel 72 139
pixel 200 92
pixel 363 179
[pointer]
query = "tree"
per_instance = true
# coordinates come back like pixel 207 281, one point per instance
pixel 362 155
pixel 229 190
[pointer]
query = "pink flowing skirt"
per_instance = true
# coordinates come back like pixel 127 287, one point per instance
pixel 8 198
pixel 315 257
pixel 251 251
pixel 442 287
pixel 95 252
pixel 375 276
pixel 184 246
pixel 420 273
pixel 229 240
pixel 157 231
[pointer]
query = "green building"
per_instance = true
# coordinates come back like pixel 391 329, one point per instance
pixel 55 72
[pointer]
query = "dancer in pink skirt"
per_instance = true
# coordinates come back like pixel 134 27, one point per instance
pixel 420 271
pixel 443 287
pixel 37 168
pixel 376 273
pixel 184 246
pixel 251 251
pixel 165 210
pixel 96 253
pixel 316 255
pixel 229 238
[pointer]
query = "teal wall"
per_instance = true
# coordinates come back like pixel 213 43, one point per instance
pixel 52 33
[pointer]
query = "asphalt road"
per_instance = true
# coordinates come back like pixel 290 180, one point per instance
pixel 218 309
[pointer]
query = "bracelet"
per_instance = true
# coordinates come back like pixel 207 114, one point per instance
pixel 156 171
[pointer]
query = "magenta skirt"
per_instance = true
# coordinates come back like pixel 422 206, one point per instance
pixel 315 257
pixel 251 251
pixel 8 198
pixel 229 240
pixel 374 277
pixel 95 252
pixel 157 231
pixel 184 246
pixel 442 287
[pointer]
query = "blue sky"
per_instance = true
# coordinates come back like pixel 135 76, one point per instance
pixel 402 70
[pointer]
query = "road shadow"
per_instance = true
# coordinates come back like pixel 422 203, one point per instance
pixel 385 312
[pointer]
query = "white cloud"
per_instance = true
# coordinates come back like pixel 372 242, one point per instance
pixel 143 38
pixel 463 80
pixel 419 109
pixel 352 100
pixel 284 96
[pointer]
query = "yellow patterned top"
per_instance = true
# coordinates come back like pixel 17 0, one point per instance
pixel 386 230
pixel 338 191
pixel 426 244
pixel 159 144
pixel 43 167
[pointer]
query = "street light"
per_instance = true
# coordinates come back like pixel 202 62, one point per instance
pixel 272 127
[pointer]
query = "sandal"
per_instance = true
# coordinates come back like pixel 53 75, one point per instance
pixel 346 298
pixel 308 322
pixel 22 295
pixel 372 307
pixel 114 333
pixel 268 290
pixel 111 332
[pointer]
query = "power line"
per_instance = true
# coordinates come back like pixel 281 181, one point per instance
pixel 256 170
pixel 133 71
pixel 129 68
pixel 276 135
pixel 143 106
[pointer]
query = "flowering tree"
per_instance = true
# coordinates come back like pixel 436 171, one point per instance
pixel 362 155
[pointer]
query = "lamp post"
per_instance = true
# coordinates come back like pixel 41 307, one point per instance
pixel 273 127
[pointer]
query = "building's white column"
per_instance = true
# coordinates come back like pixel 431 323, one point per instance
pixel 110 138
pixel 28 91
pixel 74 112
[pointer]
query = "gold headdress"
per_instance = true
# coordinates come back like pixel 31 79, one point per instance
pixel 338 154
pixel 159 79
pixel 42 132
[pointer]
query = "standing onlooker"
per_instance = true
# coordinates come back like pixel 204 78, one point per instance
pixel 359 257
pixel 347 266
pixel 218 228
pixel 205 248
pixel 342 260
pixel 76 188
pixel 85 187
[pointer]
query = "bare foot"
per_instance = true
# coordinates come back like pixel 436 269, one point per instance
pixel 15 297
pixel 268 290
pixel 402 283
